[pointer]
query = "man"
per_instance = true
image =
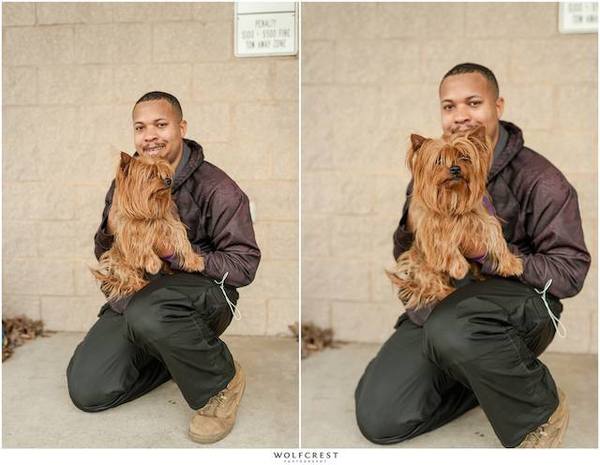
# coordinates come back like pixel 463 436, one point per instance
pixel 480 344
pixel 171 327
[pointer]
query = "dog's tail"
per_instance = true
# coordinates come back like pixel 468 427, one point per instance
pixel 117 279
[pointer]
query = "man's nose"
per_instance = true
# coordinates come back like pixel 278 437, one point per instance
pixel 461 115
pixel 149 134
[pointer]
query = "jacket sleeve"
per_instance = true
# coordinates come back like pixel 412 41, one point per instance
pixel 102 240
pixel 553 223
pixel 229 225
pixel 403 238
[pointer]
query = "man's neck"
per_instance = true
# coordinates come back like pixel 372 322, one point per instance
pixel 177 160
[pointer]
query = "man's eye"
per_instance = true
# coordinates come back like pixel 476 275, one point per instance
pixel 162 125
pixel 138 128
pixel 474 104
pixel 447 107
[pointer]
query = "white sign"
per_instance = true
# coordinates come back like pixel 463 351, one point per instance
pixel 578 17
pixel 266 29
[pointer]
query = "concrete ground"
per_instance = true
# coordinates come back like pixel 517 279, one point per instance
pixel 37 411
pixel 329 379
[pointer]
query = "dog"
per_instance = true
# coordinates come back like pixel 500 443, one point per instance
pixel 146 220
pixel 447 215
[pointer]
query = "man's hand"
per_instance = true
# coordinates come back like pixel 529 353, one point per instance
pixel 165 250
pixel 472 252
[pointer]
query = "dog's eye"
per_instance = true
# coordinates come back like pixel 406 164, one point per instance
pixel 463 157
pixel 438 160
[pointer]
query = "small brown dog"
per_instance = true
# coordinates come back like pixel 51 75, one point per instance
pixel 447 215
pixel 146 221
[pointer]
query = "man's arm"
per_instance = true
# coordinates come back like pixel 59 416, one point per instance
pixel 553 223
pixel 229 225
pixel 104 237
pixel 403 237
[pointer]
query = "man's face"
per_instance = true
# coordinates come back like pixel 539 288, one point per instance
pixel 468 100
pixel 157 130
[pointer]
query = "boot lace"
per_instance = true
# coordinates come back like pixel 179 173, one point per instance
pixel 216 401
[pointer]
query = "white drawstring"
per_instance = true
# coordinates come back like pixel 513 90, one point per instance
pixel 555 321
pixel 234 311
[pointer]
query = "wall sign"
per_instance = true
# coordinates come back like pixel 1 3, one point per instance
pixel 266 29
pixel 578 17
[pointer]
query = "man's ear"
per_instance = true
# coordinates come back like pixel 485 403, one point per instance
pixel 183 128
pixel 500 106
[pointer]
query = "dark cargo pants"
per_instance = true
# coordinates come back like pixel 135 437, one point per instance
pixel 479 347
pixel 170 329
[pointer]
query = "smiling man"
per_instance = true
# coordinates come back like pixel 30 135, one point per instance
pixel 171 328
pixel 480 345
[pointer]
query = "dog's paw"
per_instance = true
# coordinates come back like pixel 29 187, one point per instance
pixel 458 269
pixel 194 262
pixel 153 264
pixel 511 266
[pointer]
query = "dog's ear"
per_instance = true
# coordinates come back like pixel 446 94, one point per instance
pixel 416 141
pixel 125 161
pixel 478 133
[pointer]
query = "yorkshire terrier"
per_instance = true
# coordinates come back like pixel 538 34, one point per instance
pixel 146 220
pixel 447 215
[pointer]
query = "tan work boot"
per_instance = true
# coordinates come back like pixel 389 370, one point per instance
pixel 215 420
pixel 550 434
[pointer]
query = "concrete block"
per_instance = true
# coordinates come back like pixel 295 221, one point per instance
pixel 74 13
pixel 187 42
pixel 238 81
pixel 587 192
pixel 38 45
pixel 254 318
pixel 350 318
pixel 350 237
pixel 317 132
pixel 382 290
pixel 208 11
pixel 112 43
pixel 37 201
pixel 335 279
pixel 274 200
pixel 209 122
pixel 579 328
pixel 539 61
pixel 152 12
pixel 390 195
pixel 133 81
pixel 70 313
pixel 418 21
pixel 20 239
pixel 283 240
pixel 275 279
pixel 18 14
pixel 576 108
pixel 19 85
pixel 280 314
pixel 518 20
pixel 90 204
pixel 20 164
pixel 318 61
pixel 316 311
pixel 531 106
pixel 21 305
pixel 97 123
pixel 285 83
pixel 44 276
pixel 316 240
pixel 76 84
pixel 238 160
pixel 337 192
pixel 336 21
pixel 65 239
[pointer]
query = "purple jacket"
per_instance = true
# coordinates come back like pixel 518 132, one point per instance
pixel 217 214
pixel 541 217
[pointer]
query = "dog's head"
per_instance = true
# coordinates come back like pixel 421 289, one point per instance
pixel 143 186
pixel 450 173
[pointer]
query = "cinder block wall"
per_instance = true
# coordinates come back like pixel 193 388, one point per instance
pixel 370 74
pixel 71 74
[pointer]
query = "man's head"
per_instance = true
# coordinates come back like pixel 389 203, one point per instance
pixel 158 126
pixel 469 96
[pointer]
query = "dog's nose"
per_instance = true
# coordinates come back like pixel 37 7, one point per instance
pixel 168 182
pixel 455 170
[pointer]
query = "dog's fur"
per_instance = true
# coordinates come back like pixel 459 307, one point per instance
pixel 447 215
pixel 146 221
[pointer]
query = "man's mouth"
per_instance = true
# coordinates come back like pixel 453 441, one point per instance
pixel 153 149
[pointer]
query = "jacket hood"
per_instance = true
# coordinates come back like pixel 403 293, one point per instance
pixel 196 159
pixel 511 150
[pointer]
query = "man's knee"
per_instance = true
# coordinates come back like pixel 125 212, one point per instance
pixel 143 314
pixel 86 392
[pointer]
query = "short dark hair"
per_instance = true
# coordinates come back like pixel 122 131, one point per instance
pixel 465 68
pixel 158 95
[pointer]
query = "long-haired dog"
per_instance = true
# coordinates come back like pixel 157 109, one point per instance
pixel 447 215
pixel 146 220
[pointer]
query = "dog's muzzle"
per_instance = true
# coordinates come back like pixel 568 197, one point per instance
pixel 455 170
